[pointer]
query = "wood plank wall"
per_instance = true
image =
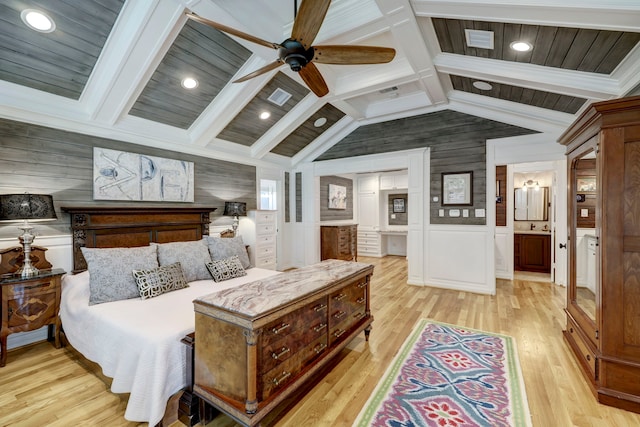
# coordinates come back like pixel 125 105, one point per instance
pixel 327 214
pixel 457 142
pixel 501 208
pixel 298 196
pixel 401 218
pixel 287 215
pixel 39 159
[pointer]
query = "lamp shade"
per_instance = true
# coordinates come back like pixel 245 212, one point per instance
pixel 32 207
pixel 235 208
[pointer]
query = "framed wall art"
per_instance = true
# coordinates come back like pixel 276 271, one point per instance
pixel 398 206
pixel 337 197
pixel 119 175
pixel 457 189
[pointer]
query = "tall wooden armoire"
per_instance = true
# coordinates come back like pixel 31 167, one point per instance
pixel 603 314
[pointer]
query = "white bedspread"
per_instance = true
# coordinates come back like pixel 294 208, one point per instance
pixel 137 342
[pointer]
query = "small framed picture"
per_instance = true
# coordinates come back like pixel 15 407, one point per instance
pixel 457 189
pixel 398 206
pixel 586 184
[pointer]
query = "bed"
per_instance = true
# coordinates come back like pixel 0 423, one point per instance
pixel 136 341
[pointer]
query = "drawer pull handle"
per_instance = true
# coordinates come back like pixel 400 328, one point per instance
pixel 588 357
pixel 283 351
pixel 283 377
pixel 340 297
pixel 338 333
pixel 361 300
pixel 319 348
pixel 362 285
pixel 280 328
pixel 320 307
pixel 339 314
pixel 319 327
pixel 36 286
pixel 10 313
pixel 359 315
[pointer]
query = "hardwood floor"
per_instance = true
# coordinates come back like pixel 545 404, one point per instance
pixel 44 386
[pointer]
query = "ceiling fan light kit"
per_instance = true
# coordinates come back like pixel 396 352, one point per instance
pixel 300 55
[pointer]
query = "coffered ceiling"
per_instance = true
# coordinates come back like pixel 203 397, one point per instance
pixel 115 68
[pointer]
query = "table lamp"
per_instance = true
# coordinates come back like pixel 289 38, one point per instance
pixel 26 207
pixel 235 209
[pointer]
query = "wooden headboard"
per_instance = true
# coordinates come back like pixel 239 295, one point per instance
pixel 110 227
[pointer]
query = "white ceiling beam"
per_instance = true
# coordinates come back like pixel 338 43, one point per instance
pixel 615 15
pixel 290 122
pixel 229 102
pixel 328 139
pixel 147 35
pixel 556 80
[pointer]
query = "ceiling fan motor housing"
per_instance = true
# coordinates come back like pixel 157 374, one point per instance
pixel 293 53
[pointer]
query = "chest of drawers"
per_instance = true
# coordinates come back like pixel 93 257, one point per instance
pixel 257 344
pixel 339 242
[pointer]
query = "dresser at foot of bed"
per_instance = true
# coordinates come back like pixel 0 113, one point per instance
pixel 260 342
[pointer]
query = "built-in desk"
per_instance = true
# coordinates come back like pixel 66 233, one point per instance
pixel 395 240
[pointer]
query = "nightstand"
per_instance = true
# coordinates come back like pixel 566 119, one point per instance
pixel 29 304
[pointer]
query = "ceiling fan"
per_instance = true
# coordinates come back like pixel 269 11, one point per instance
pixel 298 52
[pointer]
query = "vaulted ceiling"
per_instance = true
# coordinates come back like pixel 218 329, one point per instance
pixel 114 68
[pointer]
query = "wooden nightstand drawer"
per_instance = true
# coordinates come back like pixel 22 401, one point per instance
pixel 29 304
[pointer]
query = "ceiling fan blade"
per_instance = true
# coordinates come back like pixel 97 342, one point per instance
pixel 309 20
pixel 266 68
pixel 232 31
pixel 352 54
pixel 312 77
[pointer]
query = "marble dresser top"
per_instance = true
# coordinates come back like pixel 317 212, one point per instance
pixel 262 296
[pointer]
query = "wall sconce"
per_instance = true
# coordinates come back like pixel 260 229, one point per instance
pixel 530 183
pixel 26 207
pixel 236 210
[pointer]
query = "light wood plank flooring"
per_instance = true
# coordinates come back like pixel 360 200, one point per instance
pixel 44 386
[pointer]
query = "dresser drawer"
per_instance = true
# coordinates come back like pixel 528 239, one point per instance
pixel 580 347
pixel 265 229
pixel 267 217
pixel 35 310
pixel 278 377
pixel 27 289
pixel 266 239
pixel 311 314
pixel 278 351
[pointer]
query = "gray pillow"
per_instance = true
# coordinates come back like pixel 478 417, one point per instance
pixel 226 247
pixel 110 277
pixel 225 269
pixel 159 280
pixel 192 256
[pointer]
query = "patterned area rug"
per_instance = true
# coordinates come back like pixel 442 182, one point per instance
pixel 446 375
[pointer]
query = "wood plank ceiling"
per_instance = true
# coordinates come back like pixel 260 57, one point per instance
pixel 114 67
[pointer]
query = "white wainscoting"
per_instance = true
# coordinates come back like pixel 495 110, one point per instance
pixel 503 255
pixel 457 258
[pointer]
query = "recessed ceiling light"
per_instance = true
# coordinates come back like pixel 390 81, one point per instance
pixel 521 46
pixel 37 20
pixel 189 83
pixel 265 115
pixel 482 85
pixel 320 122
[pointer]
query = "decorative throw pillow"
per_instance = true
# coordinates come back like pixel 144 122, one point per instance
pixel 159 280
pixel 225 269
pixel 110 277
pixel 192 256
pixel 226 247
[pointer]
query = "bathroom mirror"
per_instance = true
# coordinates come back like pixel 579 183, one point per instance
pixel 532 204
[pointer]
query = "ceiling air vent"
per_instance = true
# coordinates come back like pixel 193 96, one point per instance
pixel 389 89
pixel 479 38
pixel 279 97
